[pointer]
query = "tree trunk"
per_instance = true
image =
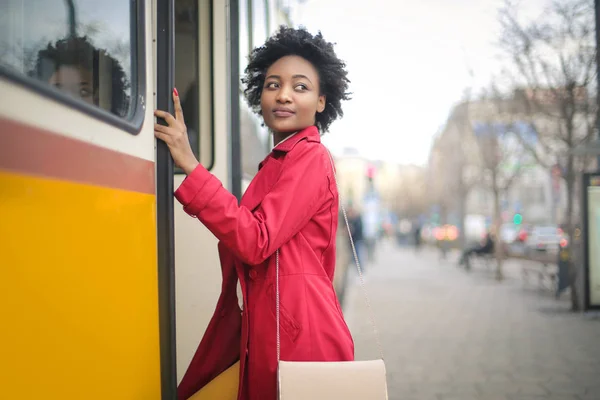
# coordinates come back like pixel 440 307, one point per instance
pixel 462 200
pixel 570 181
pixel 497 222
pixel 443 221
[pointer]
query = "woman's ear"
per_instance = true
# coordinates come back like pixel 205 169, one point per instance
pixel 321 104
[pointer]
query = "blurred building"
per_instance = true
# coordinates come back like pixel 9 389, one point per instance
pixel 401 188
pixel 460 186
pixel 352 179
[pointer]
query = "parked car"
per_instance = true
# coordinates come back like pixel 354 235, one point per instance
pixel 523 234
pixel 545 238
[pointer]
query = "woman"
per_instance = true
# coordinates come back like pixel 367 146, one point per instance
pixel 296 83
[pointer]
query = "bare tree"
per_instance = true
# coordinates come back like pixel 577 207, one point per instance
pixel 467 173
pixel 501 158
pixel 551 74
pixel 453 173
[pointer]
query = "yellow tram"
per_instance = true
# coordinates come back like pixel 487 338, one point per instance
pixel 107 285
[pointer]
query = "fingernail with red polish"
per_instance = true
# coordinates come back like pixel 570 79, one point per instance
pixel 176 92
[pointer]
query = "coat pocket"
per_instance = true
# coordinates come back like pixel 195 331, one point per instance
pixel 288 323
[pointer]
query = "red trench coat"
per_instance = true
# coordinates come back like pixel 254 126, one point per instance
pixel 291 205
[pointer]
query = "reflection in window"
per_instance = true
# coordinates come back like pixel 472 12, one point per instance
pixel 254 137
pixel 244 37
pixel 80 47
pixel 260 23
pixel 193 74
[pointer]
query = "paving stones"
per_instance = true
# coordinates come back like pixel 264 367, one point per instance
pixel 448 334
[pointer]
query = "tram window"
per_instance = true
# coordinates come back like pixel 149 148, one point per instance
pixel 81 48
pixel 255 140
pixel 260 23
pixel 245 46
pixel 193 74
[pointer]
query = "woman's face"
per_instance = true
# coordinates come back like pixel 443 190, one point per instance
pixel 290 97
pixel 74 80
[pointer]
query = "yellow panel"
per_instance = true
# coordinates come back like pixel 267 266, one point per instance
pixel 78 292
pixel 224 387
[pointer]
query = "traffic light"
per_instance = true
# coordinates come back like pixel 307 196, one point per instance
pixel 517 219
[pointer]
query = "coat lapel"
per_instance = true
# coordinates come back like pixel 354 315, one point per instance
pixel 262 183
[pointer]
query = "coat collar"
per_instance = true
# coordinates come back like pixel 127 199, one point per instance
pixel 311 134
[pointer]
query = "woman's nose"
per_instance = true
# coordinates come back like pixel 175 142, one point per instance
pixel 283 96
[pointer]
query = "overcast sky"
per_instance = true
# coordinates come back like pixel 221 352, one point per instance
pixel 408 62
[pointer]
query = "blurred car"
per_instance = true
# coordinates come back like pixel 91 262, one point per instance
pixel 544 238
pixel 523 234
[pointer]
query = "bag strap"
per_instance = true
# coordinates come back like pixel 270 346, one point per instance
pixel 362 281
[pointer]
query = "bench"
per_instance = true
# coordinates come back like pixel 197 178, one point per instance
pixel 546 272
pixel 488 260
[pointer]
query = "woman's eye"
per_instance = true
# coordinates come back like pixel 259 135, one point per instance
pixel 301 87
pixel 271 85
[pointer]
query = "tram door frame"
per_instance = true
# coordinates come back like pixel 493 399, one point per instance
pixel 165 78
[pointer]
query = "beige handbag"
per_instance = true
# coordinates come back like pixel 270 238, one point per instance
pixel 330 380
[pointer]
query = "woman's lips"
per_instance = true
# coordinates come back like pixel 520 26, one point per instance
pixel 283 113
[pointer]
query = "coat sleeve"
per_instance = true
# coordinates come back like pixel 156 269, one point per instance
pixel 300 190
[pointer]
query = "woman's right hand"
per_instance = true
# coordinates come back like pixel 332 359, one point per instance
pixel 176 137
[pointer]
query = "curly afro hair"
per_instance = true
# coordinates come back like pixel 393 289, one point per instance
pixel 289 41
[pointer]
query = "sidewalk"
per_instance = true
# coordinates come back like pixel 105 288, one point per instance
pixel 450 335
